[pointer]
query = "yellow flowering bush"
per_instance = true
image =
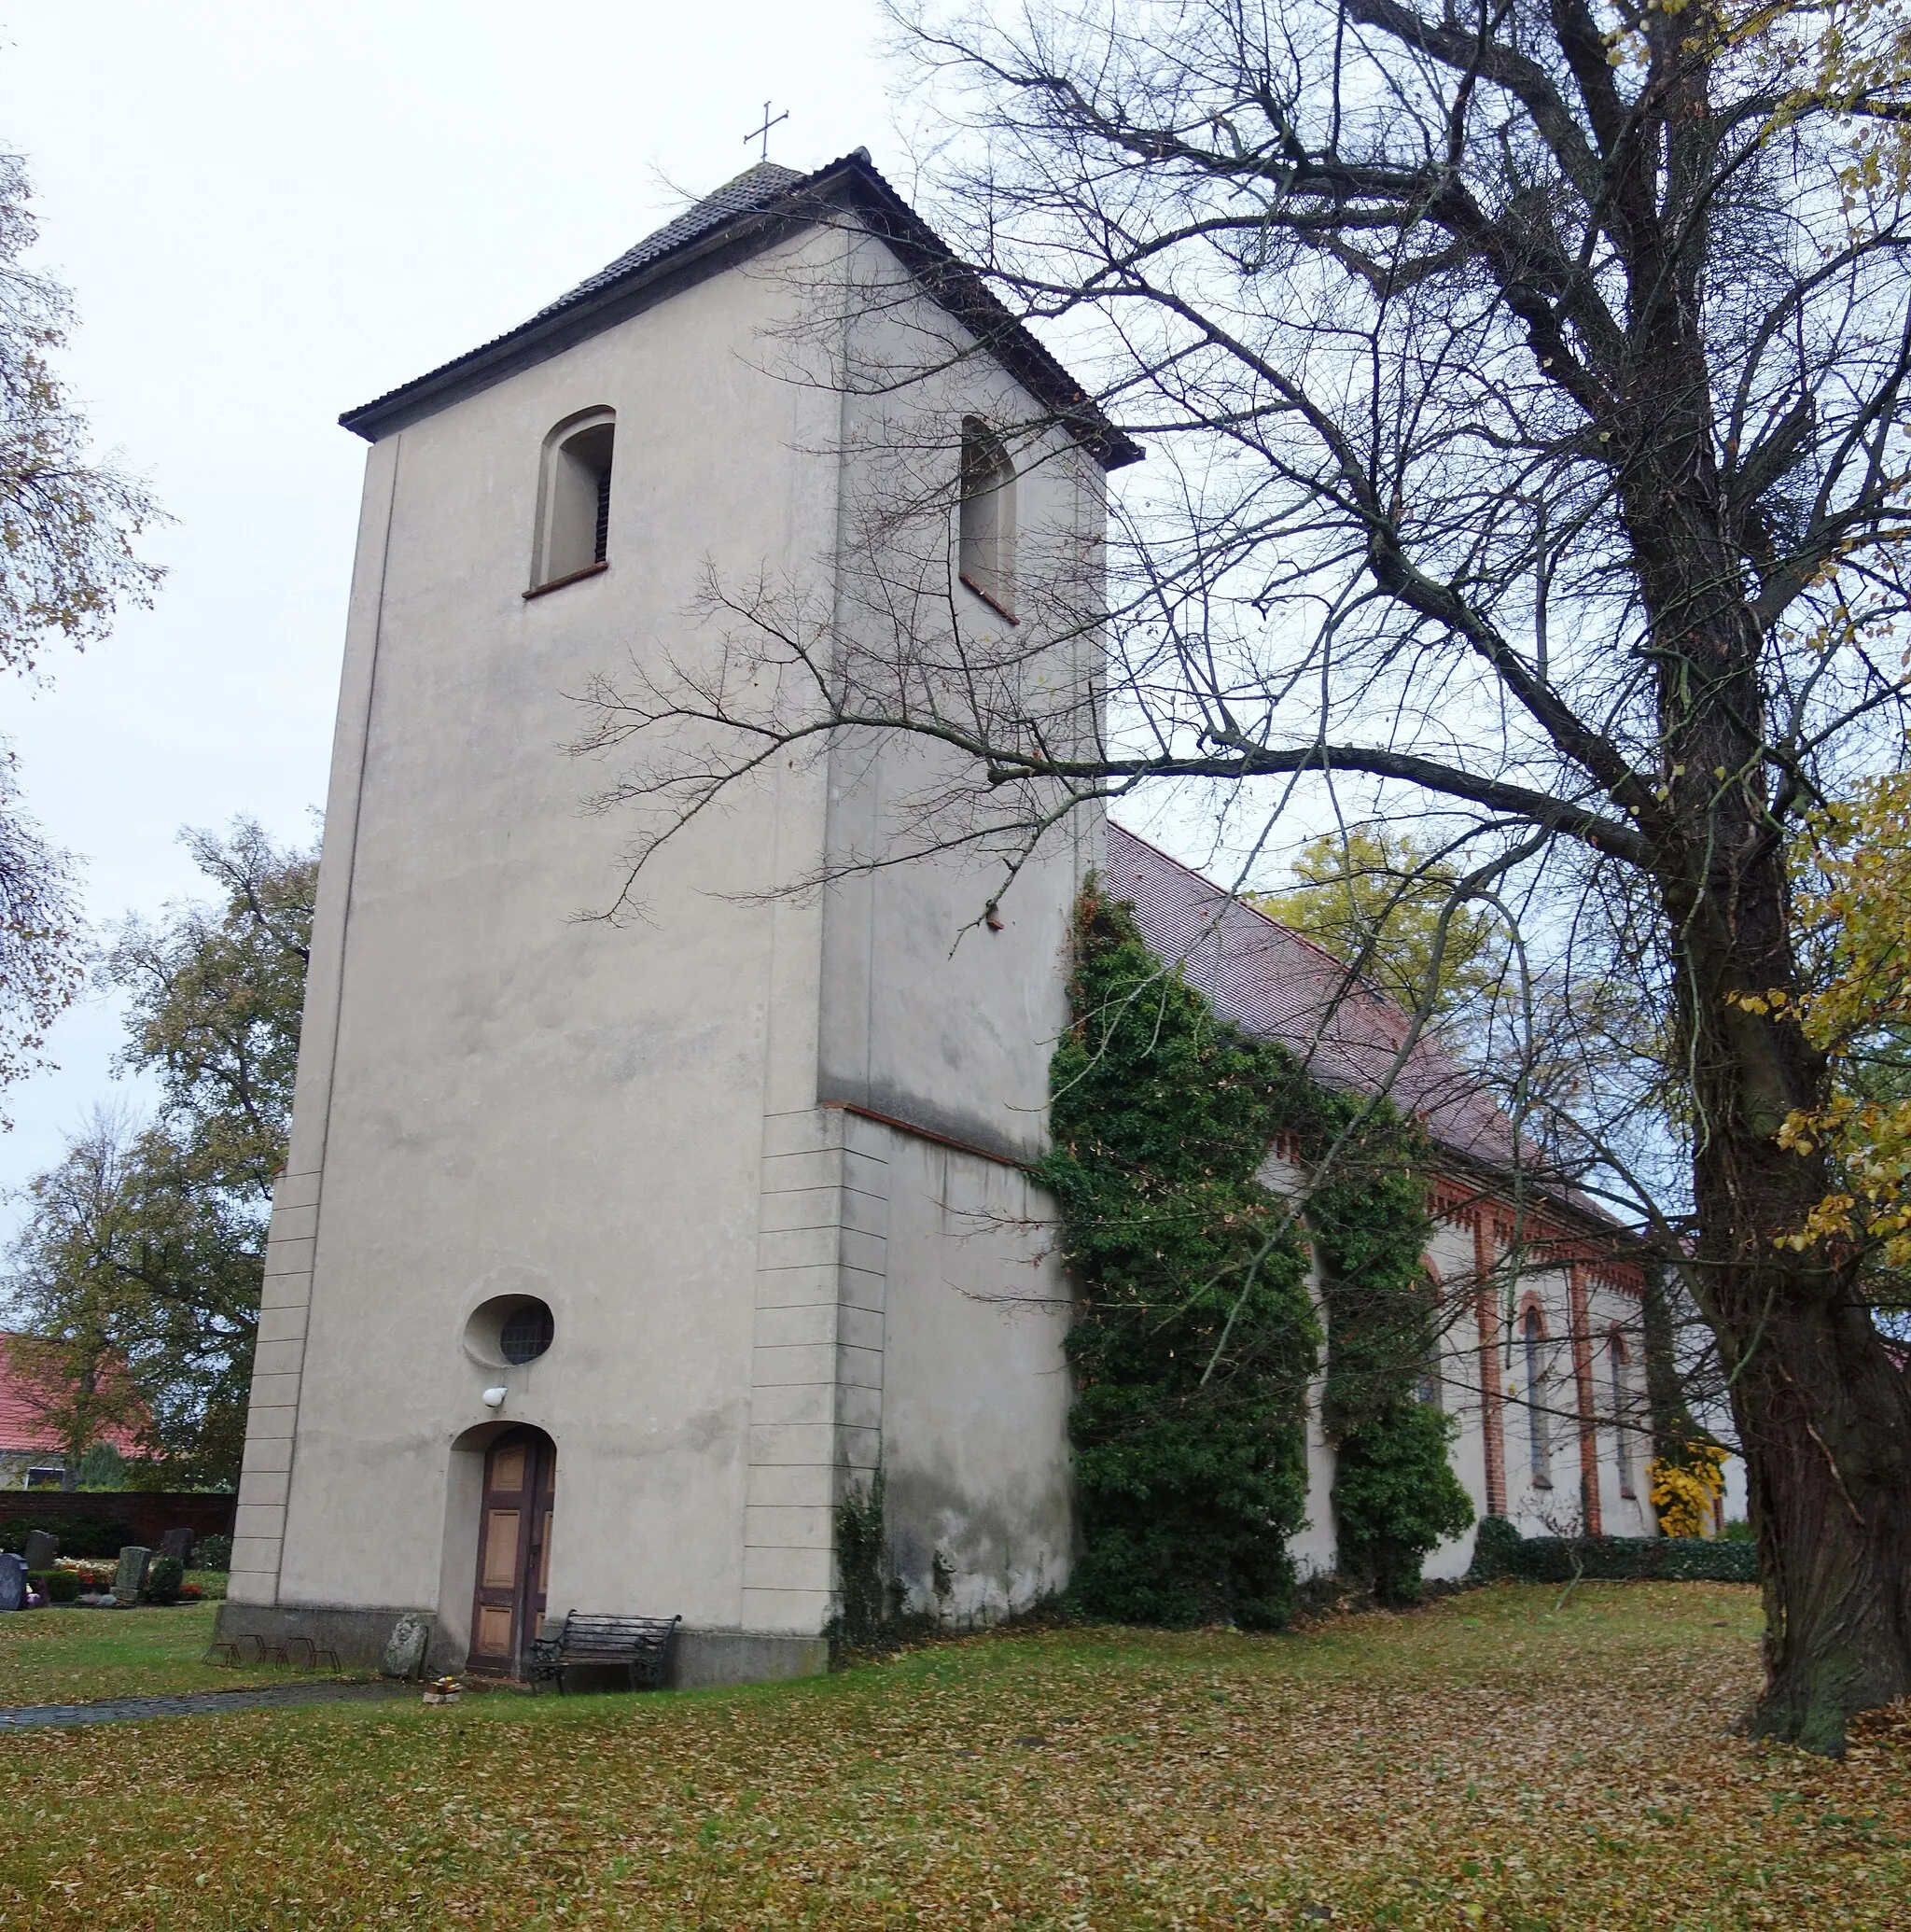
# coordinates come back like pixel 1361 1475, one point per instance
pixel 1684 1492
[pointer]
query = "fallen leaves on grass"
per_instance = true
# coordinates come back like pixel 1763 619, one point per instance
pixel 1486 1763
pixel 66 1656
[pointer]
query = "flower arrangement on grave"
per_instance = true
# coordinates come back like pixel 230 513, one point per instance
pixel 88 1579
pixel 442 1691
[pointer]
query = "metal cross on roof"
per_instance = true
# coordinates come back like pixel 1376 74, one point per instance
pixel 762 134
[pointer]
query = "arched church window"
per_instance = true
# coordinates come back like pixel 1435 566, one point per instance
pixel 1538 1436
pixel 985 541
pixel 1619 1355
pixel 1426 1386
pixel 574 499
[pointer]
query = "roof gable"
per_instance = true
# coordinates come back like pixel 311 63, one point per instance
pixel 743 216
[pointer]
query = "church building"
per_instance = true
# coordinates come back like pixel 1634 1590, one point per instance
pixel 612 1253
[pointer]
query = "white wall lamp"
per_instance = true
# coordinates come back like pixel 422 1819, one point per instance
pixel 494 1398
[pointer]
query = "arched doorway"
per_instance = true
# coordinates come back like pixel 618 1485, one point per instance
pixel 513 1549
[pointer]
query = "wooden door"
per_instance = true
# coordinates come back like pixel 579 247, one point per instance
pixel 513 1549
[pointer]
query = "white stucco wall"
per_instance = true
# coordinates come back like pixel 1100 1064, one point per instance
pixel 931 1012
pixel 629 1121
pixel 976 1394
pixel 519 1101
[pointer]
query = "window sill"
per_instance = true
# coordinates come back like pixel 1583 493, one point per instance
pixel 557 583
pixel 1001 610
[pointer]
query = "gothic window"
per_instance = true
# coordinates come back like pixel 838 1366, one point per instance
pixel 1538 1436
pixel 1428 1387
pixel 986 543
pixel 574 499
pixel 1621 1406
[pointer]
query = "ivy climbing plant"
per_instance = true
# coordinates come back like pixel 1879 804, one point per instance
pixel 1395 1495
pixel 1196 1335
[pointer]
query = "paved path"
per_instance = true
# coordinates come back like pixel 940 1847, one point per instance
pixel 128 1710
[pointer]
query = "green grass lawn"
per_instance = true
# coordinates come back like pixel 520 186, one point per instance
pixel 65 1657
pixel 1491 1762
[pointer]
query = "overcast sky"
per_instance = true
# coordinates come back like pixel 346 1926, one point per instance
pixel 267 214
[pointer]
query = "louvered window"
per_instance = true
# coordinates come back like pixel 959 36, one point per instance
pixel 574 499
pixel 985 540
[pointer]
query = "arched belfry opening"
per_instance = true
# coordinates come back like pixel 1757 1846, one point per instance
pixel 574 498
pixel 986 537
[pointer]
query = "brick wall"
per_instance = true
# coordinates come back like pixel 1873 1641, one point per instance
pixel 151 1512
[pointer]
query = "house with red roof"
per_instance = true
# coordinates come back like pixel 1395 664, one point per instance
pixel 31 1456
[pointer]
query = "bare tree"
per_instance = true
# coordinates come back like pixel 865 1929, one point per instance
pixel 40 926
pixel 67 522
pixel 1523 390
pixel 68 519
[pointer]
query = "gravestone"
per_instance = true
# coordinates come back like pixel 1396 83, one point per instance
pixel 178 1543
pixel 41 1548
pixel 131 1575
pixel 12 1581
pixel 404 1649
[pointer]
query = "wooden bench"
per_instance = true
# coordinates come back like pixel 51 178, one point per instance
pixel 639 1645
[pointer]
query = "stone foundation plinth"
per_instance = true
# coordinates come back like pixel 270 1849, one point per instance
pixel 700 1659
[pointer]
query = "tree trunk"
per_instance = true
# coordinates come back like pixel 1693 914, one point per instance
pixel 1825 1417
pixel 1822 1411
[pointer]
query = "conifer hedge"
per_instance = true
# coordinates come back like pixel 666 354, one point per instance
pixel 1502 1551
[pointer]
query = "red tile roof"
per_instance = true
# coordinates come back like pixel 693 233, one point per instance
pixel 23 1425
pixel 1271 981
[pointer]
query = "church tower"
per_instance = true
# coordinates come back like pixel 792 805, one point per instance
pixel 610 1255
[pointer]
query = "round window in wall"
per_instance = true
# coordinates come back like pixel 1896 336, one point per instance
pixel 525 1332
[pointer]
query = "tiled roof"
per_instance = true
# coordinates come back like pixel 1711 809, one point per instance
pixel 1271 981
pixel 749 191
pixel 752 210
pixel 22 1426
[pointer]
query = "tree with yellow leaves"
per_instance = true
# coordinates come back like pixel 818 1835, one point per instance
pixel 1855 908
pixel 1391 906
